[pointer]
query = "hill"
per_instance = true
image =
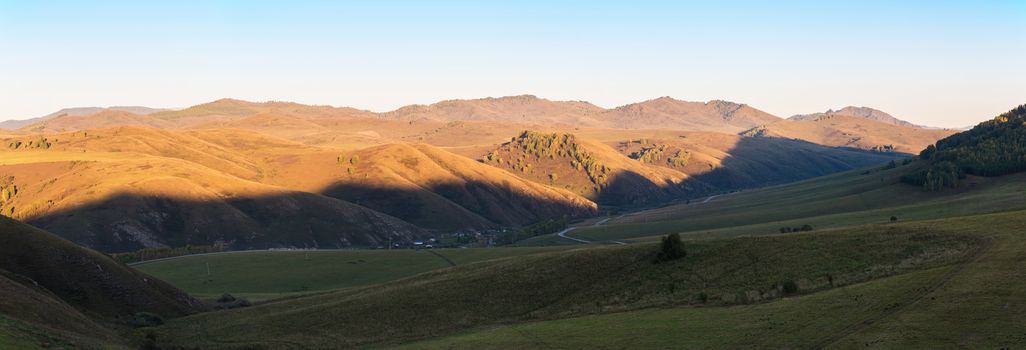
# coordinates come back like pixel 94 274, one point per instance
pixel 860 112
pixel 588 168
pixel 101 119
pixel 522 109
pixel 669 113
pixel 854 132
pixel 439 190
pixel 992 148
pixel 79 112
pixel 52 290
pixel 728 163
pixel 143 187
pixel 122 189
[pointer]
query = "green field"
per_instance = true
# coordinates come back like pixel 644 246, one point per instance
pixel 976 304
pixel 572 283
pixel 261 275
pixel 945 274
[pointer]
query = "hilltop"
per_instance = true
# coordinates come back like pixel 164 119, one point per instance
pixel 78 112
pixel 853 132
pixel 481 122
pixel 859 112
pixel 669 113
pixel 522 109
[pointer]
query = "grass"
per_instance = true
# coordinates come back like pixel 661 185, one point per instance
pixel 839 200
pixel 262 275
pixel 977 304
pixel 573 283
pixel 788 323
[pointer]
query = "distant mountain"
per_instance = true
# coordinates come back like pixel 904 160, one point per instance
pixel 523 108
pixel 858 112
pixel 660 113
pixel 78 112
pixel 854 132
pixel 669 113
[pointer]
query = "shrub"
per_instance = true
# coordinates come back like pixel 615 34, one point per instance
pixel 894 219
pixel 671 248
pixel 145 319
pixel 226 298
pixel 704 298
pixel 790 287
pixel 228 301
pixel 806 227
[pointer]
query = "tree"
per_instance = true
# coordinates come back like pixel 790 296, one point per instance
pixel 671 248
pixel 894 219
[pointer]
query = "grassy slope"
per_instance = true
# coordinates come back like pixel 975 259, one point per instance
pixel 838 200
pixel 266 274
pixel 56 292
pixel 977 305
pixel 847 131
pixel 436 189
pixel 568 284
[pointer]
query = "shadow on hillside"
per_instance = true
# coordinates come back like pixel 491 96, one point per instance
pixel 753 162
pixel 380 215
pixel 766 161
pixel 452 206
pixel 127 222
pixel 344 216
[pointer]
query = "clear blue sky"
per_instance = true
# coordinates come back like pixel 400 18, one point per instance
pixel 942 63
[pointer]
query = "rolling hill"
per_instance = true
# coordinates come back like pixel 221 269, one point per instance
pixel 55 292
pixel 436 189
pixel 78 112
pixel 669 113
pixel 588 168
pixel 859 112
pixel 520 109
pixel 126 188
pixel 852 131
pixel 729 162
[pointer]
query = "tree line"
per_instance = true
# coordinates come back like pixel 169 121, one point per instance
pixel 992 148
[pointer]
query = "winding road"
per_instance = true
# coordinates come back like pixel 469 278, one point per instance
pixel 584 241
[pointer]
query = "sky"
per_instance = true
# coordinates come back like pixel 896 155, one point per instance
pixel 938 63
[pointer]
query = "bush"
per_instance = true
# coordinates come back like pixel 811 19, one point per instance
pixel 790 287
pixel 226 298
pixel 145 319
pixel 894 219
pixel 671 248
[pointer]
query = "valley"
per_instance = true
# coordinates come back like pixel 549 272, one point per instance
pixel 388 243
